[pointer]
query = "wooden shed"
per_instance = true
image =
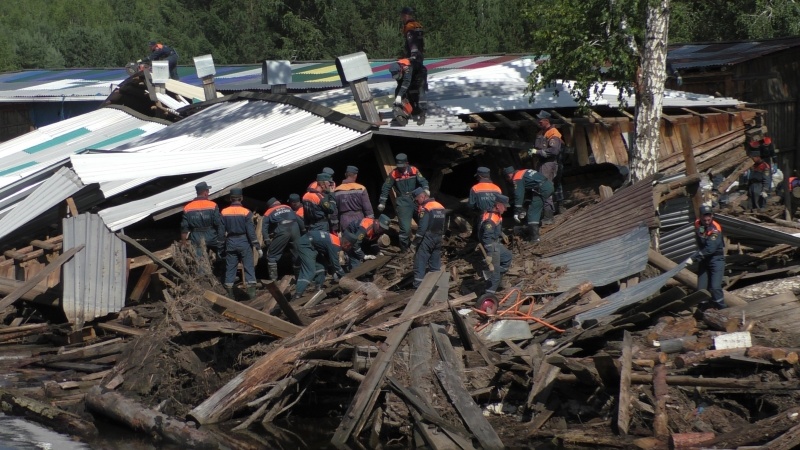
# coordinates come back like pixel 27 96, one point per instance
pixel 764 73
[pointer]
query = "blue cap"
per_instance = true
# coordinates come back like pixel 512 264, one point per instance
pixel 294 198
pixel 236 192
pixel 272 201
pixel 328 170
pixel 483 171
pixel 500 198
pixel 351 169
pixel 417 191
pixel 401 158
pixel 509 170
pixel 543 115
pixel 323 177
pixel 383 221
pixel 202 186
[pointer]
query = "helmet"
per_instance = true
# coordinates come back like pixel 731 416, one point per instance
pixel 706 210
pixel 407 10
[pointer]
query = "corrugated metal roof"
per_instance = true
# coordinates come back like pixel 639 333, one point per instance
pixel 676 240
pixel 757 234
pixel 629 296
pixel 279 135
pixel 622 256
pixel 61 185
pixel 626 210
pixel 697 55
pixel 53 144
pixel 95 279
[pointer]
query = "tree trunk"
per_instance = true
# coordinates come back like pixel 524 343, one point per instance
pixel 650 92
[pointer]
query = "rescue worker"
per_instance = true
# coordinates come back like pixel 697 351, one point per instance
pixel 327 246
pixel 710 256
pixel 280 228
pixel 758 181
pixel 547 147
pixel 481 195
pixel 533 182
pixel 315 185
pixel 319 207
pixel 428 240
pixel 404 179
pixel 240 240
pixel 411 90
pixel 366 233
pixel 489 235
pixel 202 223
pixel 159 52
pixel 352 200
pixel 307 258
pixel 296 204
pixel 413 36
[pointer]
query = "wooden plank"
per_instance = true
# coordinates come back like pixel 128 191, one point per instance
pixel 31 283
pixel 608 146
pixel 283 304
pixel 121 329
pixel 506 121
pixel 581 146
pixel 49 246
pixel 615 134
pixel 139 261
pixel 253 317
pixel 466 407
pixel 143 283
pixel 358 411
pixel 481 122
pixel 624 411
pixel 599 152
pixel 73 208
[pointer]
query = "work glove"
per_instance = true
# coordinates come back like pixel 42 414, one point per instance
pixel 381 207
pixel 398 101
pixel 689 261
pixel 764 195
pixel 260 253
pixel 336 278
pixel 517 218
pixel 522 214
pixel 369 257
pixel 138 61
pixel 427 192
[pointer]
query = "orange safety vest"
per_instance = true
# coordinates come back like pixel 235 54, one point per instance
pixel 494 217
pixel 487 187
pixel 197 205
pixel 366 223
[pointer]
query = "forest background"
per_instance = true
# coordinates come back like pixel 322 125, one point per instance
pixel 111 33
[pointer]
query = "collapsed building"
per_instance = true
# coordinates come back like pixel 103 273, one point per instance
pixel 98 196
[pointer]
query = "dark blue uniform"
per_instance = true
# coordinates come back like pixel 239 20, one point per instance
pixel 711 259
pixel 202 220
pixel 327 246
pixel 239 242
pixel 489 235
pixel 162 52
pixel 281 227
pixel 308 265
pixel 529 180
pixel 319 211
pixel 428 241
pixel 366 236
pixel 404 181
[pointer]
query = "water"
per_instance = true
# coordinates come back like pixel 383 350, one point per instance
pixel 19 434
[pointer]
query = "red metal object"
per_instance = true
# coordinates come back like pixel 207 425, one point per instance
pixel 488 307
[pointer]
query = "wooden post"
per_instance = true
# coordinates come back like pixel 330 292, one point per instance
pixel 691 167
pixel 660 391
pixel 624 412
pixel 30 284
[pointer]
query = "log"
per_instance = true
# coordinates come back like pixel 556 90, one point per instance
pixel 717 383
pixel 721 320
pixel 34 280
pixel 49 416
pixel 694 358
pixel 690 440
pixel 250 316
pixel 762 430
pixel 661 392
pixel 154 423
pixel 777 355
pixel 681 328
pixel 686 277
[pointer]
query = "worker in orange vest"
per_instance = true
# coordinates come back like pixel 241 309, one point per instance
pixel 427 242
pixel 547 147
pixel 240 240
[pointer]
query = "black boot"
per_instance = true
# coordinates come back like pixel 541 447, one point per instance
pixel 547 218
pixel 273 271
pixel 533 232
pixel 229 291
pixel 251 291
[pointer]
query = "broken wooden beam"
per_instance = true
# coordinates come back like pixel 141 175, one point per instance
pixel 47 415
pixel 623 410
pixel 283 303
pixel 764 429
pixel 250 316
pixel 36 279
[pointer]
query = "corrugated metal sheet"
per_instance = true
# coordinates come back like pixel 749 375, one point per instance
pixel 94 280
pixel 626 210
pixel 629 296
pixel 690 56
pixel 621 257
pixel 281 134
pixel 58 187
pixel 52 145
pixel 757 234
pixel 676 240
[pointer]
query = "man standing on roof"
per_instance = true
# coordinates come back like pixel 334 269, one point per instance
pixel 533 182
pixel 319 206
pixel 489 235
pixel 280 228
pixel 366 233
pixel 159 52
pixel 404 179
pixel 430 232
pixel 710 256
pixel 201 223
pixel 547 147
pixel 352 200
pixel 240 240
pixel 413 36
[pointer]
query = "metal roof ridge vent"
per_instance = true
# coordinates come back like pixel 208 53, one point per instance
pixel 278 74
pixel 204 65
pixel 354 69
